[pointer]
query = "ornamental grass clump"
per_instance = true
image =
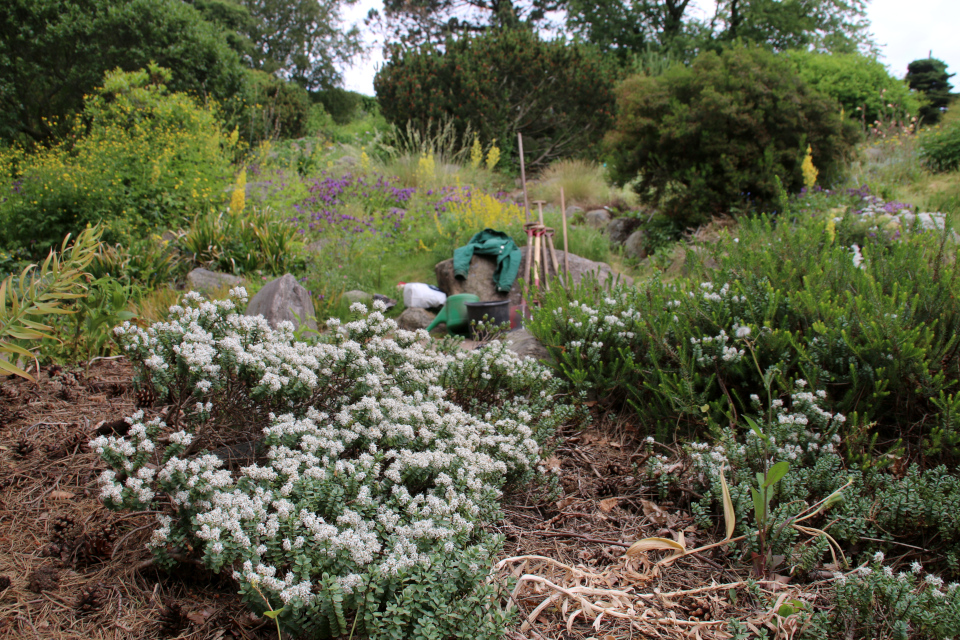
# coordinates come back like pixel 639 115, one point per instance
pixel 379 456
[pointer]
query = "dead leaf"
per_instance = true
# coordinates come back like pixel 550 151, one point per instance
pixel 655 514
pixel 655 544
pixel 552 463
pixel 60 495
pixel 566 502
pixel 607 505
pixel 199 617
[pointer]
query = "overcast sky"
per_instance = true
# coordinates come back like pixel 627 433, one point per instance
pixel 905 31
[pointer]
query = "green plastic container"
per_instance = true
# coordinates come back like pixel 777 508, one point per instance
pixel 454 314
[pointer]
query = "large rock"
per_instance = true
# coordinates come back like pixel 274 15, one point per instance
pixel 479 281
pixel 211 282
pixel 413 318
pixel 572 211
pixel 280 299
pixel 635 247
pixel 598 219
pixel 355 296
pixel 619 229
pixel 523 343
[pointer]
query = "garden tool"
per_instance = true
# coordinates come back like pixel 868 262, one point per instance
pixel 542 258
pixel 549 233
pixel 454 313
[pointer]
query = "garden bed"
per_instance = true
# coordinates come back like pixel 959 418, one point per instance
pixel 97 580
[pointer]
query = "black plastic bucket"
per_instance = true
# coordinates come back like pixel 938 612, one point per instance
pixel 497 312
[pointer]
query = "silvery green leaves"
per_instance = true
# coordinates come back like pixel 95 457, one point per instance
pixel 380 457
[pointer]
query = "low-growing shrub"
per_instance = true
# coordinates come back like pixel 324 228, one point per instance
pixel 729 132
pixel 378 460
pixel 940 148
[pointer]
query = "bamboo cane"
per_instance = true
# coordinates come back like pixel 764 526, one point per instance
pixel 543 245
pixel 523 177
pixel 566 250
pixel 526 266
pixel 536 259
pixel 553 255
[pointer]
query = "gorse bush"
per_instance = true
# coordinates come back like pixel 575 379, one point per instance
pixel 861 84
pixel 559 96
pixel 139 158
pixel 379 459
pixel 940 148
pixel 727 133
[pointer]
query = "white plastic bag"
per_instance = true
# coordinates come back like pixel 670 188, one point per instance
pixel 423 296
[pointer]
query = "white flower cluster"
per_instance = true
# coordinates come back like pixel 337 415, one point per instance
pixel 377 463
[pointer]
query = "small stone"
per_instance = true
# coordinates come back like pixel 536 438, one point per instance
pixel 284 299
pixel 358 296
pixel 619 229
pixel 598 219
pixel 211 282
pixel 523 343
pixel 634 247
pixel 413 318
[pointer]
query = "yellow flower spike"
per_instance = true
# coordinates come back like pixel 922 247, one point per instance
pixel 810 172
pixel 831 229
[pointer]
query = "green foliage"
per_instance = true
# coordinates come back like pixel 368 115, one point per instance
pixel 875 602
pixel 242 244
pixel 929 76
pixel 275 108
pixel 861 84
pixel 342 105
pixel 715 136
pixel 384 458
pixel 940 148
pixel 38 294
pixel 53 53
pixel 558 96
pixel 141 157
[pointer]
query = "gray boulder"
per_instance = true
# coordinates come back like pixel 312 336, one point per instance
pixel 280 299
pixel 479 280
pixel 634 246
pixel 413 318
pixel 598 219
pixel 523 343
pixel 572 211
pixel 211 282
pixel 619 229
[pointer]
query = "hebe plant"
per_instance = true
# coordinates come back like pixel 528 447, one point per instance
pixel 380 459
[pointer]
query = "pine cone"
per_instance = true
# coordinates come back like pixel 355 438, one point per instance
pixel 92 598
pixel 23 448
pixel 173 619
pixel 146 396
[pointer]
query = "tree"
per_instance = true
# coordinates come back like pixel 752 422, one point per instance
pixel 632 25
pixel 301 40
pixel 54 52
pixel 415 22
pixel 929 76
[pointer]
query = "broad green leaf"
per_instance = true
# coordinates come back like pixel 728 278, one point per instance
pixel 776 473
pixel 758 507
pixel 273 614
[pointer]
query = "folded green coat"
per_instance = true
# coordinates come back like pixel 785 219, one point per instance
pixel 490 243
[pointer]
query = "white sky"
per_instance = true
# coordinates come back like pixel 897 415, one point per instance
pixel 904 30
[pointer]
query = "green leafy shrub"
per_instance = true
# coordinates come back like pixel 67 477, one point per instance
pixel 841 318
pixel 861 84
pixel 274 108
pixel 558 96
pixel 140 158
pixel 54 53
pixel 929 76
pixel 383 458
pixel 719 134
pixel 940 148
pixel 35 297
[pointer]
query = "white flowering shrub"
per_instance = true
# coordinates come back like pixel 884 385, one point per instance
pixel 379 459
pixel 877 602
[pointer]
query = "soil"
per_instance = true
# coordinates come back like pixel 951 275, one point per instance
pixel 72 569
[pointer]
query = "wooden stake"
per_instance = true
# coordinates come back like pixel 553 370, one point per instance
pixel 526 266
pixel 553 255
pixel 566 250
pixel 523 177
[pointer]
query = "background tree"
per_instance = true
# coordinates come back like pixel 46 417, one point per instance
pixel 54 52
pixel 415 22
pixel 929 76
pixel 301 40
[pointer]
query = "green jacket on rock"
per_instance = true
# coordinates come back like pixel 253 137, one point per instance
pixel 490 243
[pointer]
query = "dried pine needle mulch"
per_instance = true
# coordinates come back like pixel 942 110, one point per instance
pixel 77 570
pixel 575 581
